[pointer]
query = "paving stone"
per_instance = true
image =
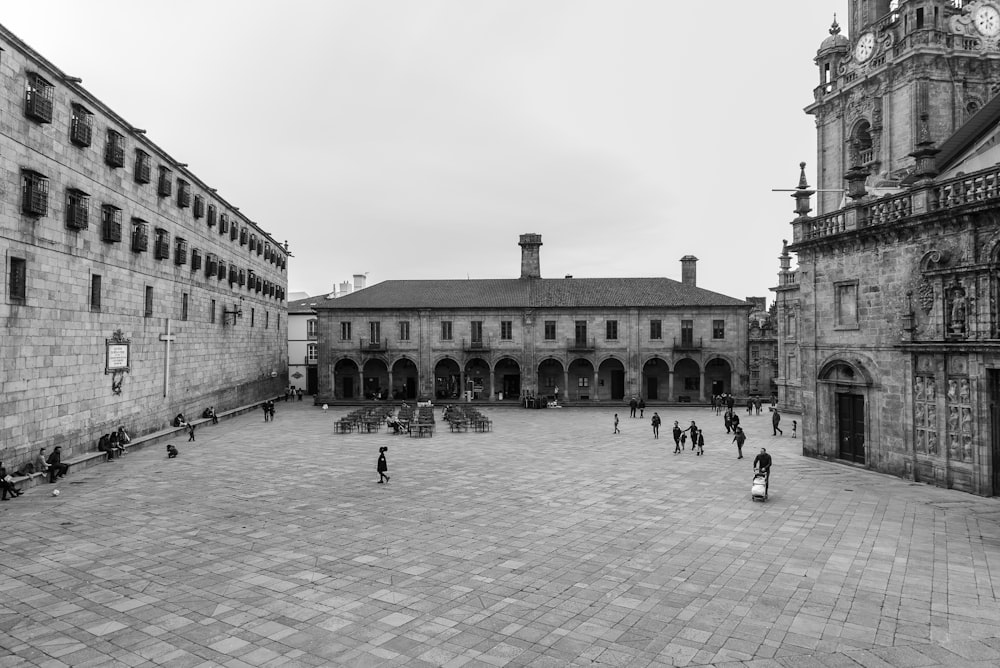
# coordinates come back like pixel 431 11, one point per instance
pixel 538 544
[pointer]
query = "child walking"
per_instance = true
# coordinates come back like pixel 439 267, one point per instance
pixel 616 424
pixel 382 466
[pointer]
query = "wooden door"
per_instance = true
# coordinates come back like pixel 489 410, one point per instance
pixel 851 427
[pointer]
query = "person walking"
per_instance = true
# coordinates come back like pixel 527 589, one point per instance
pixel 757 404
pixel 762 464
pixel 699 437
pixel 632 405
pixel 749 405
pixel 616 424
pixel 727 420
pixel 678 432
pixel 775 419
pixel 656 425
pixel 267 412
pixel 693 432
pixel 382 467
pixel 642 406
pixel 190 432
pixel 739 439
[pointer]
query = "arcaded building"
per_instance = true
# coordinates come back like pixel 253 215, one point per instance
pixel 132 290
pixel 892 317
pixel 583 339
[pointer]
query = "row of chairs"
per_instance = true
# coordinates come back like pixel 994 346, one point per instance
pixel 368 420
pixel 460 418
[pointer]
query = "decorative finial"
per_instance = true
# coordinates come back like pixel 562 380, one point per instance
pixel 835 28
pixel 924 136
pixel 802 176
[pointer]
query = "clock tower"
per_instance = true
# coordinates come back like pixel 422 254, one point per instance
pixel 909 73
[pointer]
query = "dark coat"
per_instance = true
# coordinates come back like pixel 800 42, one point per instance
pixel 381 467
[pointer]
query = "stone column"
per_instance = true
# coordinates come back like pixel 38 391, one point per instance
pixel 670 385
pixel 701 384
pixel 595 396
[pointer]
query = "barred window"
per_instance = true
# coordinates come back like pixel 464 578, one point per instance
pixel 38 98
pixel 81 126
pixel 111 223
pixel 18 279
pixel 143 166
pixel 95 292
pixel 34 193
pixel 148 306
pixel 140 235
pixel 114 149
pixel 77 209
pixel 211 215
pixel 223 223
pixel 161 248
pixel 234 231
pixel 195 259
pixel 244 236
pixel 183 193
pixel 180 251
pixel 199 206
pixel 165 185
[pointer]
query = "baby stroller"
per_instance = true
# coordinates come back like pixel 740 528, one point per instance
pixel 758 490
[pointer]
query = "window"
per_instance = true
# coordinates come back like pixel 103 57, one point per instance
pixel 252 316
pixel 687 333
pixel 161 247
pixel 211 312
pixel 404 331
pixel 244 236
pixel 199 206
pixel 550 330
pixel 148 310
pixel 718 329
pixel 655 330
pixel 183 193
pixel 233 274
pixel 211 265
pixel 345 331
pixel 81 126
pixel 38 98
pixel 18 280
pixel 95 292
pixel 77 209
pixel 581 332
pixel 267 319
pixel 143 166
pixel 754 353
pixel 241 279
pixel 184 306
pixel 253 242
pixel 165 183
pixel 446 330
pixel 311 328
pixel 846 304
pixel 506 330
pixel 140 235
pixel 477 331
pixel 221 274
pixel 234 231
pixel 34 193
pixel 582 381
pixel 195 259
pixel 375 331
pixel 260 247
pixel 311 353
pixel 612 327
pixel 114 149
pixel 111 223
pixel 223 223
pixel 790 325
pixel 211 215
pixel 180 251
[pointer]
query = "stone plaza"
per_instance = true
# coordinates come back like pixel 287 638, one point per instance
pixel 546 542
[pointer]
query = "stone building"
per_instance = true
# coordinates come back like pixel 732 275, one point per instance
pixel 896 299
pixel 302 346
pixel 762 342
pixel 583 339
pixel 132 290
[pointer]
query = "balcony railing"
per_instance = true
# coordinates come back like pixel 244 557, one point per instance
pixel 687 344
pixel 477 344
pixel 581 345
pixel 369 346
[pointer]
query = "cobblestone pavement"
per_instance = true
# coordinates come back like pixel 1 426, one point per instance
pixel 548 542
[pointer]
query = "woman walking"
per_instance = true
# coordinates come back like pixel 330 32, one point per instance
pixel 739 440
pixel 382 467
pixel 656 425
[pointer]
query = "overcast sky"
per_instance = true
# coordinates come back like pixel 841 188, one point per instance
pixel 417 139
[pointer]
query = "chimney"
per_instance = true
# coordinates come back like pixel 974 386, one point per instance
pixel 359 281
pixel 530 265
pixel 345 289
pixel 689 271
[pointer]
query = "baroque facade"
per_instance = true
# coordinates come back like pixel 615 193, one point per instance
pixel 578 339
pixel 894 304
pixel 132 290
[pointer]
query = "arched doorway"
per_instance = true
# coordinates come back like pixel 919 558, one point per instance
pixel 687 380
pixel 550 376
pixel 376 379
pixel 719 377
pixel 346 379
pixel 611 379
pixel 581 380
pixel 845 388
pixel 656 380
pixel 447 379
pixel 477 378
pixel 507 377
pixel 404 379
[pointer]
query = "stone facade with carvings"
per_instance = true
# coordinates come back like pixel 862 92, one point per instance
pixel 894 303
pixel 132 291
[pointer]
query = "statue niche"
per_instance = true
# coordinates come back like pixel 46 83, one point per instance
pixel 957 311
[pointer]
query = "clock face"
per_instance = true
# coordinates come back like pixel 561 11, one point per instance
pixel 987 20
pixel 865 46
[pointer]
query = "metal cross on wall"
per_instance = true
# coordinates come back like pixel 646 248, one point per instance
pixel 167 338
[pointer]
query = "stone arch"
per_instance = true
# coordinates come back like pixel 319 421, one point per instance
pixel 551 374
pixel 507 378
pixel 346 378
pixel 447 378
pixel 405 379
pixel 477 377
pixel 718 375
pixel 611 378
pixel 656 379
pixel 837 369
pixel 687 380
pixel 580 380
pixel 375 378
pixel 862 142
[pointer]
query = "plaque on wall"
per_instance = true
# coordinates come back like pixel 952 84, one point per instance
pixel 117 353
